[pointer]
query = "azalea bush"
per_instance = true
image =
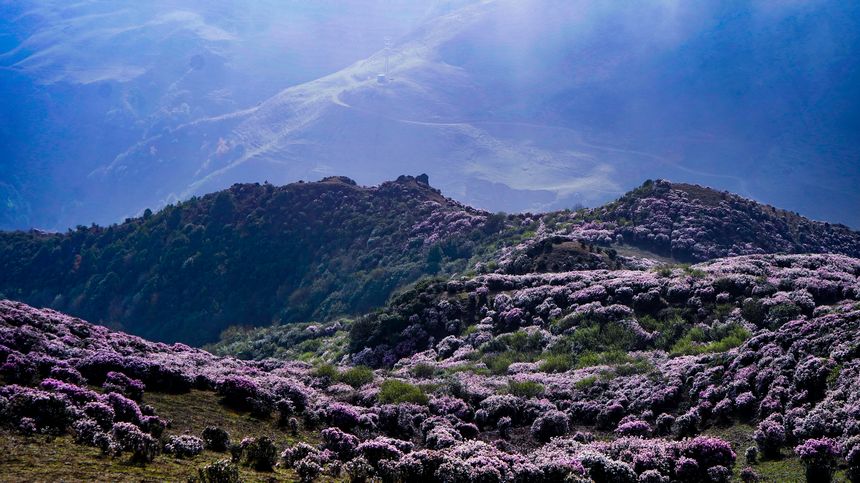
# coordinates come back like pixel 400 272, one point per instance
pixel 819 458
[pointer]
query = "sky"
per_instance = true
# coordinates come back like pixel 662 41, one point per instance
pixel 109 108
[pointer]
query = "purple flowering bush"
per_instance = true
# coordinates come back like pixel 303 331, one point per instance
pixel 242 393
pixel 258 453
pixel 819 458
pixel 549 425
pixel 770 437
pixel 143 447
pixel 122 384
pixel 184 446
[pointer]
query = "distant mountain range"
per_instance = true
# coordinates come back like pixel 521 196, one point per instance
pixel 256 253
pixel 508 105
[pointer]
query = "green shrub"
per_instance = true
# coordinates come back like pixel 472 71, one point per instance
pixel 589 359
pixel 599 337
pixel 393 391
pixel 721 311
pixel 694 342
pixel 499 363
pixel 356 376
pixel 520 341
pixel 637 366
pixel 525 389
pixel 754 311
pixel 781 313
pixel 665 271
pixel 833 375
pixel 423 371
pixel 694 272
pixel 670 326
pixel 556 363
pixel 326 371
pixel 585 382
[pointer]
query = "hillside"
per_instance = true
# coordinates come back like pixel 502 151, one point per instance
pixel 684 223
pixel 250 255
pixel 664 375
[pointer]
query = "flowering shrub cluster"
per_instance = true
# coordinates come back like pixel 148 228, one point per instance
pixel 57 356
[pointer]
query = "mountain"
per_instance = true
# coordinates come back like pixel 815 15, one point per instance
pixel 253 254
pixel 687 223
pixel 257 254
pixel 551 102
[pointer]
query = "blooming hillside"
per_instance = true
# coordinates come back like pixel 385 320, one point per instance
pixel 693 223
pixel 603 375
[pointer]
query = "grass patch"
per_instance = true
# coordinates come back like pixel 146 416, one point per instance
pixel 788 469
pixel 48 458
pixel 45 458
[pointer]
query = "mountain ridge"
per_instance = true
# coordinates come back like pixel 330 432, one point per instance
pixel 231 257
pixel 256 254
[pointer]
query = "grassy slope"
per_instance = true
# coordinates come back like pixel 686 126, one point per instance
pixel 785 470
pixel 46 458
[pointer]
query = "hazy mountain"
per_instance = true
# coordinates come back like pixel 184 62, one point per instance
pixel 550 102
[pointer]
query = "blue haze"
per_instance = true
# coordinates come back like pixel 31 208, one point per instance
pixel 107 108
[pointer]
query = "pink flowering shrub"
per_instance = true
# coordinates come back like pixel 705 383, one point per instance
pixel 549 425
pixel 633 428
pixel 122 384
pixel 819 458
pixel 184 446
pixel 343 444
pixel 243 394
pixel 143 447
pixel 342 416
pixel 770 437
pixel 258 453
pixel 709 452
